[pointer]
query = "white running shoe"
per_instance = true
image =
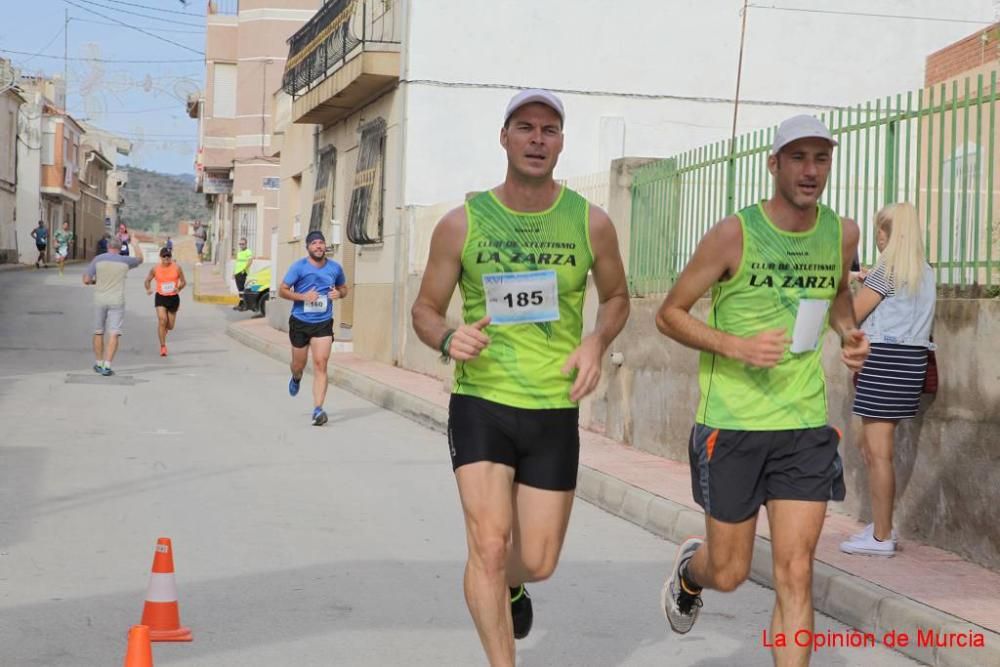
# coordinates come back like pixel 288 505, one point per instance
pixel 869 546
pixel 869 531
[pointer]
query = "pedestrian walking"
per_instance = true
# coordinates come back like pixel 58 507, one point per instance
pixel 108 272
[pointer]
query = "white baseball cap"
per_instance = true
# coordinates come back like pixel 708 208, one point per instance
pixel 534 95
pixel 800 127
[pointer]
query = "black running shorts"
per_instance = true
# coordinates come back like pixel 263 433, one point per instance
pixel 300 333
pixel 733 473
pixel 171 302
pixel 542 446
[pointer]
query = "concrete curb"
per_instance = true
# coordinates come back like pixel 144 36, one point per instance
pixel 219 299
pixel 843 596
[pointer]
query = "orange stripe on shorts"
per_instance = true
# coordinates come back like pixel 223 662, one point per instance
pixel 710 443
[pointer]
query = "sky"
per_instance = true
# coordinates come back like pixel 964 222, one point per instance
pixel 143 101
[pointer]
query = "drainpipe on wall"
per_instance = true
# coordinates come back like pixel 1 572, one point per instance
pixel 403 222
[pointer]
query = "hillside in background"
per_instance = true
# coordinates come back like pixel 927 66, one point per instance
pixel 157 202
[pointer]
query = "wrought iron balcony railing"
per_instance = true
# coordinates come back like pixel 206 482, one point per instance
pixel 338 30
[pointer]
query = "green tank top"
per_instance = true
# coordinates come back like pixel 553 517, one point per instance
pixel 777 270
pixel 521 365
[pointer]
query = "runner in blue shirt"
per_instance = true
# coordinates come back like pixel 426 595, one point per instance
pixel 312 283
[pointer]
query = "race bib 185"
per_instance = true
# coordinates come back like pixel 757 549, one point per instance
pixel 521 298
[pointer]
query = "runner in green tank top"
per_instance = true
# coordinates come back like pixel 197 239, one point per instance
pixel 520 254
pixel 778 274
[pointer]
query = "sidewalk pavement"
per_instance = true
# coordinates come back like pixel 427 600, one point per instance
pixel 921 588
pixel 211 287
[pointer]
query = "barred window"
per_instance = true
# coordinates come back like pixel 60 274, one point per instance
pixel 364 222
pixel 325 161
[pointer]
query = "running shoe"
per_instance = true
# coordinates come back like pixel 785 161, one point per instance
pixel 869 546
pixel 98 368
pixel 293 386
pixel 163 350
pixel 870 531
pixel 319 417
pixel 521 612
pixel 106 371
pixel 680 607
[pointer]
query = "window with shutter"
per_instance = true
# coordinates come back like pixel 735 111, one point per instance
pixel 326 160
pixel 364 221
pixel 224 93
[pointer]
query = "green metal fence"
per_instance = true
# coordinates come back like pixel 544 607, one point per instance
pixel 934 147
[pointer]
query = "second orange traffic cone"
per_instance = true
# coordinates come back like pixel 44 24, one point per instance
pixel 161 612
pixel 140 651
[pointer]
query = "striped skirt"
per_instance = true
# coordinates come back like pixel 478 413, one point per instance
pixel 891 382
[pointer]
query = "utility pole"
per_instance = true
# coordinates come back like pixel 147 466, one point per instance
pixel 66 61
pixel 731 170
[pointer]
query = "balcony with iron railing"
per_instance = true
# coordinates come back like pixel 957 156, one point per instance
pixel 345 56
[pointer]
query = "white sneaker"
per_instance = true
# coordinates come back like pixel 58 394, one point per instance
pixel 868 545
pixel 869 531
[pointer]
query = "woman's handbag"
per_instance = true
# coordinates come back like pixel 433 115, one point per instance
pixel 931 379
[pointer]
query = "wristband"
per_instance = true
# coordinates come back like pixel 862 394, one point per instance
pixel 443 347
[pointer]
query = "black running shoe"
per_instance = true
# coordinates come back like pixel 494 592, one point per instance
pixel 680 607
pixel 520 611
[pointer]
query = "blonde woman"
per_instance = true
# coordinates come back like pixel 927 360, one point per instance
pixel 896 308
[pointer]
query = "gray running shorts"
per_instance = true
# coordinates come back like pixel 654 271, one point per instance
pixel 113 316
pixel 733 473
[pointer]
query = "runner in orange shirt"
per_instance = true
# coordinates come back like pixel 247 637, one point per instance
pixel 170 281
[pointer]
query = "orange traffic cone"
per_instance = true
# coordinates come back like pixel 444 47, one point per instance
pixel 140 651
pixel 161 612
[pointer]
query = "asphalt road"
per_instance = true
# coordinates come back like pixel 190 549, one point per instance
pixel 294 545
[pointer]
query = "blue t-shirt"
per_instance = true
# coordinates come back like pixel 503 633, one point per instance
pixel 303 276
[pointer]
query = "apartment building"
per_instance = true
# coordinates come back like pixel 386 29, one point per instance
pixel 10 105
pixel 392 107
pixel 245 51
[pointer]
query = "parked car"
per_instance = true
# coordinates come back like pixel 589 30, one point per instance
pixel 257 291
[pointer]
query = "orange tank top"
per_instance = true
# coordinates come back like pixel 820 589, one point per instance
pixel 166 279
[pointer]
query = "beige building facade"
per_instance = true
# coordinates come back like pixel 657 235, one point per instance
pixel 10 105
pixel 245 51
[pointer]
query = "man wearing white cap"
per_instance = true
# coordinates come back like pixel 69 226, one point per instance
pixel 520 253
pixel 778 275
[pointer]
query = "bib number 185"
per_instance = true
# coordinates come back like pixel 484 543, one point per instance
pixel 522 297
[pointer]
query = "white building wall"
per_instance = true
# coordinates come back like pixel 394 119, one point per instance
pixel 466 58
pixel 29 176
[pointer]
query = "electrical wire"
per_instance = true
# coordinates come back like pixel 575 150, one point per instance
pixel 153 9
pixel 81 113
pixel 105 60
pixel 35 55
pixel 938 19
pixel 139 14
pixel 127 25
pixel 638 96
pixel 115 25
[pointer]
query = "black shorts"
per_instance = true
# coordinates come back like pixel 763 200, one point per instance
pixel 542 446
pixel 171 302
pixel 733 473
pixel 300 333
pixel 41 246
